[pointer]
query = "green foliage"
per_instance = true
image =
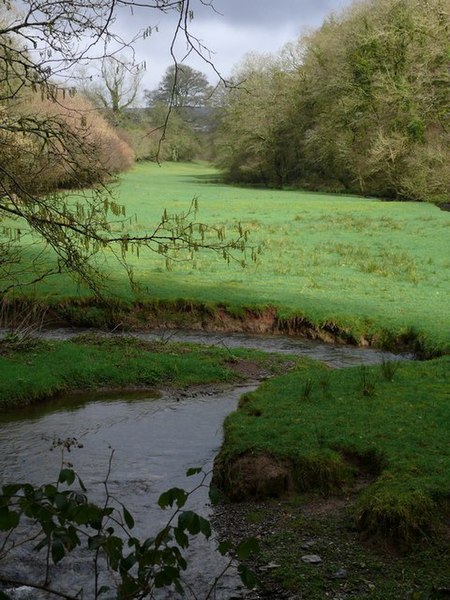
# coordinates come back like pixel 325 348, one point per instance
pixel 360 105
pixel 64 519
pixel 181 87
pixel 172 136
pixel 52 140
pixel 389 368
pixel 179 112
pixel 394 430
pixel 255 138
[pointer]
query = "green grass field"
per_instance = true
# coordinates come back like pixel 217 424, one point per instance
pixel 368 266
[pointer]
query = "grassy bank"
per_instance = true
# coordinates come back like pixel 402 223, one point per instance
pixel 374 270
pixel 41 370
pixel 317 429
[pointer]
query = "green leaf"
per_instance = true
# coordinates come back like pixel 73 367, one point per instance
pixel 58 551
pixel 224 547
pixel 103 590
pixel 96 541
pixel 247 577
pixel 191 521
pixel 174 495
pixel 128 518
pixel 186 521
pixel 246 548
pixel 128 588
pixel 127 563
pixel 66 476
pixel 132 541
pixel 181 538
pixel 205 527
pixel 11 489
pixel 8 519
pixel 4 596
pixel 61 501
pixel 88 514
pixel 50 491
pixel 42 544
pixel 166 576
pixel 148 543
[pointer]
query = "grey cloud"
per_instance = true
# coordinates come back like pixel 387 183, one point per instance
pixel 273 13
pixel 236 28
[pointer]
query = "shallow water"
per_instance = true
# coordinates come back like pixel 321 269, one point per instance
pixel 155 440
pixel 334 355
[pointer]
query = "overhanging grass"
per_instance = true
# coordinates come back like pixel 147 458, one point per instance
pixel 47 368
pixel 393 426
pixel 374 268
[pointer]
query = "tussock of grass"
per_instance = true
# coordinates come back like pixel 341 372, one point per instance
pixel 398 510
pixel 396 435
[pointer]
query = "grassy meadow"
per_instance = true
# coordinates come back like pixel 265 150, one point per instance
pixel 369 266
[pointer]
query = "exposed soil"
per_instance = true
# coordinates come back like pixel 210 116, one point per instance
pixel 117 316
pixel 266 521
pixel 292 531
pixel 255 476
pixel 198 317
pixel 256 370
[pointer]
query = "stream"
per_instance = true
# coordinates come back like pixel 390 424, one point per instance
pixel 155 439
pixel 334 355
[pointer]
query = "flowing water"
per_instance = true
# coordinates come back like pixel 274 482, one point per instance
pixel 155 440
pixel 334 355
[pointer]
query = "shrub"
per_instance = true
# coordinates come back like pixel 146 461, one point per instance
pixel 71 145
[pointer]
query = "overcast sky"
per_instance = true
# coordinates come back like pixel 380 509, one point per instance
pixel 233 29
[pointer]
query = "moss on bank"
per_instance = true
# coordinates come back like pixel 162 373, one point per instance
pixel 319 429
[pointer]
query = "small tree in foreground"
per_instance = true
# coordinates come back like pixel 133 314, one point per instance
pixel 55 519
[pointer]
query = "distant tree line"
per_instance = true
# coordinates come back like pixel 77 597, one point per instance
pixel 360 105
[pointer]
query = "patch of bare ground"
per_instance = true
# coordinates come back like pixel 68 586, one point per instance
pixel 268 521
pixel 256 476
pixel 249 369
pixel 311 550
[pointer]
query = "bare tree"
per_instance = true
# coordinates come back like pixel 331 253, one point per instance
pixel 116 87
